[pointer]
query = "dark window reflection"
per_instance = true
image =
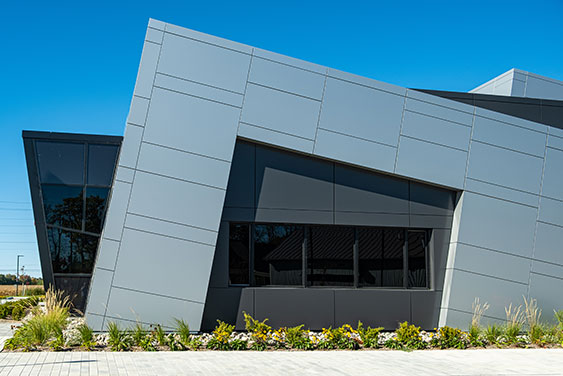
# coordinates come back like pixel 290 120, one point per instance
pixel 60 162
pixel 330 256
pixel 63 205
pixel 239 241
pixel 71 252
pixel 95 208
pixel 278 255
pixel 370 241
pixel 101 163
pixel 393 242
pixel 417 259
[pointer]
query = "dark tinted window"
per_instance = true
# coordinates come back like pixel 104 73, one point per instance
pixel 63 205
pixel 330 256
pixel 239 241
pixel 101 163
pixel 417 259
pixel 278 255
pixel 71 252
pixel 393 242
pixel 370 265
pixel 96 199
pixel 60 162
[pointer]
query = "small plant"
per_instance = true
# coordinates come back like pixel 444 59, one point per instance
pixel 259 331
pixel 118 340
pixel 475 326
pixel 221 336
pixel 296 338
pixel 408 336
pixel 138 334
pixel 86 337
pixel 493 334
pixel 448 337
pixel 160 335
pixel 55 299
pixel 339 338
pixel 18 313
pixel 146 344
pixel 532 316
pixel 57 344
pixel 558 315
pixel 183 330
pixel 369 335
pixel 514 322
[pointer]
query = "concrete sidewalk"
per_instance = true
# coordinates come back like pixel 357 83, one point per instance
pixel 432 362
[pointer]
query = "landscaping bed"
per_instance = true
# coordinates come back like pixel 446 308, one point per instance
pixel 50 327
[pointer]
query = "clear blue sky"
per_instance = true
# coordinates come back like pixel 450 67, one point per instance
pixel 72 68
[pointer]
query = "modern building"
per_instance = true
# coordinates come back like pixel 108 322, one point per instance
pixel 253 182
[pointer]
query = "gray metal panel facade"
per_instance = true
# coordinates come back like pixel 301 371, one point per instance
pixel 200 93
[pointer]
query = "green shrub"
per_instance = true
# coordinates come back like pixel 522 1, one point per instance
pixel 18 313
pixel 296 338
pixel 118 340
pixel 408 336
pixel 339 338
pixel 474 336
pixel 160 335
pixel 86 336
pixel 183 330
pixel 258 330
pixel 493 334
pixel 447 337
pixel 34 291
pixel 138 334
pixel 369 336
pixel 221 336
pixel 558 315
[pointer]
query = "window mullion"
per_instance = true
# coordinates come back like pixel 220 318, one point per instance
pixel 406 259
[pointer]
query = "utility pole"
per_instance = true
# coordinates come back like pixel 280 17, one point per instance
pixel 18 274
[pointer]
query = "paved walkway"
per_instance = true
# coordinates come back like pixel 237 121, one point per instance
pixel 433 362
pixel 6 331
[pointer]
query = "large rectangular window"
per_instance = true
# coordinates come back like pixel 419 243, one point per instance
pixel 279 254
pixel 330 256
pixel 239 254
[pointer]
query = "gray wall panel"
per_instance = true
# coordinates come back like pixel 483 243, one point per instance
pixel 314 308
pixel 280 111
pixel 147 308
pixel 361 111
pixel 241 179
pixel 465 287
pixel 548 246
pixel 429 128
pixel 425 308
pixel 430 162
pixel 275 138
pixel 287 181
pixel 483 261
pixel 202 62
pixel 176 201
pixel 439 108
pixel 361 191
pixel 182 165
pixel 190 124
pixel 287 78
pixel 552 178
pixel 549 293
pixel 505 167
pixel 181 260
pixel 509 136
pixel 497 224
pixel 551 211
pixel 354 150
pixel 372 307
